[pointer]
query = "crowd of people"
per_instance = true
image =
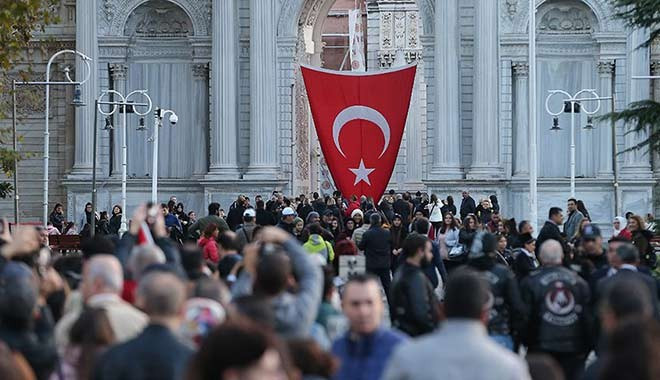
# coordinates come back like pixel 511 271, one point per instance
pixel 449 291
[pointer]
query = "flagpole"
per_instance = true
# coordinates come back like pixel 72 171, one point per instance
pixel 533 154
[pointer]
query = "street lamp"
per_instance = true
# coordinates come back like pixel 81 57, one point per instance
pixel 77 102
pixel 123 104
pixel 572 104
pixel 159 114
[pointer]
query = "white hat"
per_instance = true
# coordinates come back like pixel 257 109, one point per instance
pixel 250 212
pixel 357 211
pixel 288 211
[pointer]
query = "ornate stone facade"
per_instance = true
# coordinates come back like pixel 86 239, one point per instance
pixel 231 67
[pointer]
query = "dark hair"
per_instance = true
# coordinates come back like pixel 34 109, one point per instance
pixel 311 359
pixel 56 206
pixel 91 333
pixel 554 211
pixel 235 344
pixel 227 241
pixel 362 279
pixel 260 204
pixel 192 260
pixel 96 245
pixel 210 229
pixel 375 219
pixel 413 243
pixel 522 225
pixel 273 272
pixel 328 280
pixel 572 200
pixel 214 208
pixel 453 224
pixel 450 200
pixel 633 351
pixel 581 207
pixel 113 209
pixel 171 205
pixel 466 295
pixel 628 297
pixel 421 226
pixel 544 367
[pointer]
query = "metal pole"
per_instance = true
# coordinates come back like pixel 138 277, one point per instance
pixel 617 210
pixel 572 148
pixel 96 104
pixel 154 163
pixel 15 147
pixel 123 227
pixel 46 146
pixel 533 154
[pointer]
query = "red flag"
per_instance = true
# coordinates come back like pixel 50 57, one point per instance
pixel 144 235
pixel 359 120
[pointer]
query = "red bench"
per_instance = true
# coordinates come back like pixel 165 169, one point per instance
pixel 64 243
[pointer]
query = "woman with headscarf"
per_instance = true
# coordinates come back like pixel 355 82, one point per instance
pixel 620 225
pixel 86 220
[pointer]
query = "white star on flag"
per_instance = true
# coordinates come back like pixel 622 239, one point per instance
pixel 362 173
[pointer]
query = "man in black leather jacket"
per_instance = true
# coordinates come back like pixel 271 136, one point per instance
pixel 508 312
pixel 377 247
pixel 559 319
pixel 413 304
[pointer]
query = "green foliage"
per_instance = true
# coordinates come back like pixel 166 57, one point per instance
pixel 645 114
pixel 19 20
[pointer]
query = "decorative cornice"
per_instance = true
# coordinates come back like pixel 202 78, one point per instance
pixel 200 71
pixel 118 71
pixel 606 68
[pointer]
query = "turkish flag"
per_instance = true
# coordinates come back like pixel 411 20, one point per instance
pixel 359 120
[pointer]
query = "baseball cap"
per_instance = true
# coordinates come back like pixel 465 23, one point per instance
pixel 590 232
pixel 327 213
pixel 250 213
pixel 288 211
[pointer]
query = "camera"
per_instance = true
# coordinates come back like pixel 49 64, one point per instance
pixel 174 119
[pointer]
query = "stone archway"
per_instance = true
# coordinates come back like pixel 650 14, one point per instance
pixel 300 42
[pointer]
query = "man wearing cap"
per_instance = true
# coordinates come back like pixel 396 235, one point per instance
pixel 559 318
pixel 592 246
pixel 244 235
pixel 286 223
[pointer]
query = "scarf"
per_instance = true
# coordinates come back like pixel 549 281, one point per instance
pixel 623 223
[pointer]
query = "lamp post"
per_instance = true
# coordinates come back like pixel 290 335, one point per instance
pixel 572 104
pixel 77 102
pixel 123 104
pixel 159 114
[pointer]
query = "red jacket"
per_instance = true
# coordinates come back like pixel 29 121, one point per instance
pixel 210 249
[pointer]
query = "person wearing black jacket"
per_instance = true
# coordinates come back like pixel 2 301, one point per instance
pixel 526 260
pixel 559 319
pixel 550 229
pixel 449 206
pixel 468 232
pixel 421 226
pixel 56 217
pixel 264 217
pixel 413 304
pixel 236 210
pixel 507 315
pixel 377 246
pixel 467 205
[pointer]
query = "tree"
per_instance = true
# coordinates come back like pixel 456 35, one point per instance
pixel 19 20
pixel 644 14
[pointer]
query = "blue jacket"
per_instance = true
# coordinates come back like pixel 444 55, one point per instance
pixel 365 357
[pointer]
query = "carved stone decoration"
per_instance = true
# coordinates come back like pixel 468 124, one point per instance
pixel 118 71
pixel 386 30
pixel 520 69
pixel 655 68
pixel 606 68
pixel 400 30
pixel 200 71
pixel 158 18
pixel 600 12
pixel 301 122
pixel 566 20
pixel 413 35
pixel 511 7
pixel 114 14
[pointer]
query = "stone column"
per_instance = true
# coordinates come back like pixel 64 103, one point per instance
pixel 200 116
pixel 655 71
pixel 263 90
pixel 224 127
pixel 636 163
pixel 447 124
pixel 86 43
pixel 118 73
pixel 485 123
pixel 521 119
pixel 604 128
